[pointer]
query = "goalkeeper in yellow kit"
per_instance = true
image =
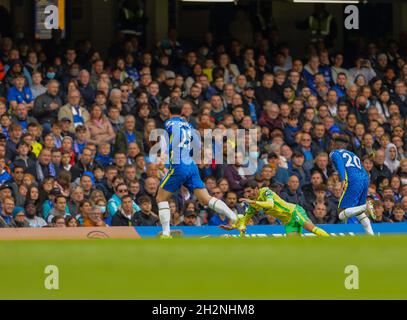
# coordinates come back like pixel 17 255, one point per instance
pixel 293 216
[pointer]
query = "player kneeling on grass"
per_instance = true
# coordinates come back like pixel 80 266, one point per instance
pixel 291 215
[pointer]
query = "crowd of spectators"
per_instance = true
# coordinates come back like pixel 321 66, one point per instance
pixel 75 127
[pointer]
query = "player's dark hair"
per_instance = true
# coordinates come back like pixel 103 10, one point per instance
pixel 342 139
pixel 251 184
pixel 175 109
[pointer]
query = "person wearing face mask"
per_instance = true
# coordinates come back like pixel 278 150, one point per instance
pixel 102 206
pixel 50 73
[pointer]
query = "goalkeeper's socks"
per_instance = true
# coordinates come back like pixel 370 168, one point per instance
pixel 165 217
pixel 351 212
pixel 320 232
pixel 365 222
pixel 220 207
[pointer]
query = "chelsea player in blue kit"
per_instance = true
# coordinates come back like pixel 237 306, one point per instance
pixel 355 180
pixel 183 171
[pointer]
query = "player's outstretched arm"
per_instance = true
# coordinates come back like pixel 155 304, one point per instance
pixel 309 226
pixel 269 204
pixel 242 220
pixel 247 201
pixel 240 225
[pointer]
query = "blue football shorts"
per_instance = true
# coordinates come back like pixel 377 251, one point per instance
pixel 182 175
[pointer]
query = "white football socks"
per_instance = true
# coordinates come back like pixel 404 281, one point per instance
pixel 220 207
pixel 365 222
pixel 351 212
pixel 165 217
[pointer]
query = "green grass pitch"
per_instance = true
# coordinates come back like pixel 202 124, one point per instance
pixel 215 268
